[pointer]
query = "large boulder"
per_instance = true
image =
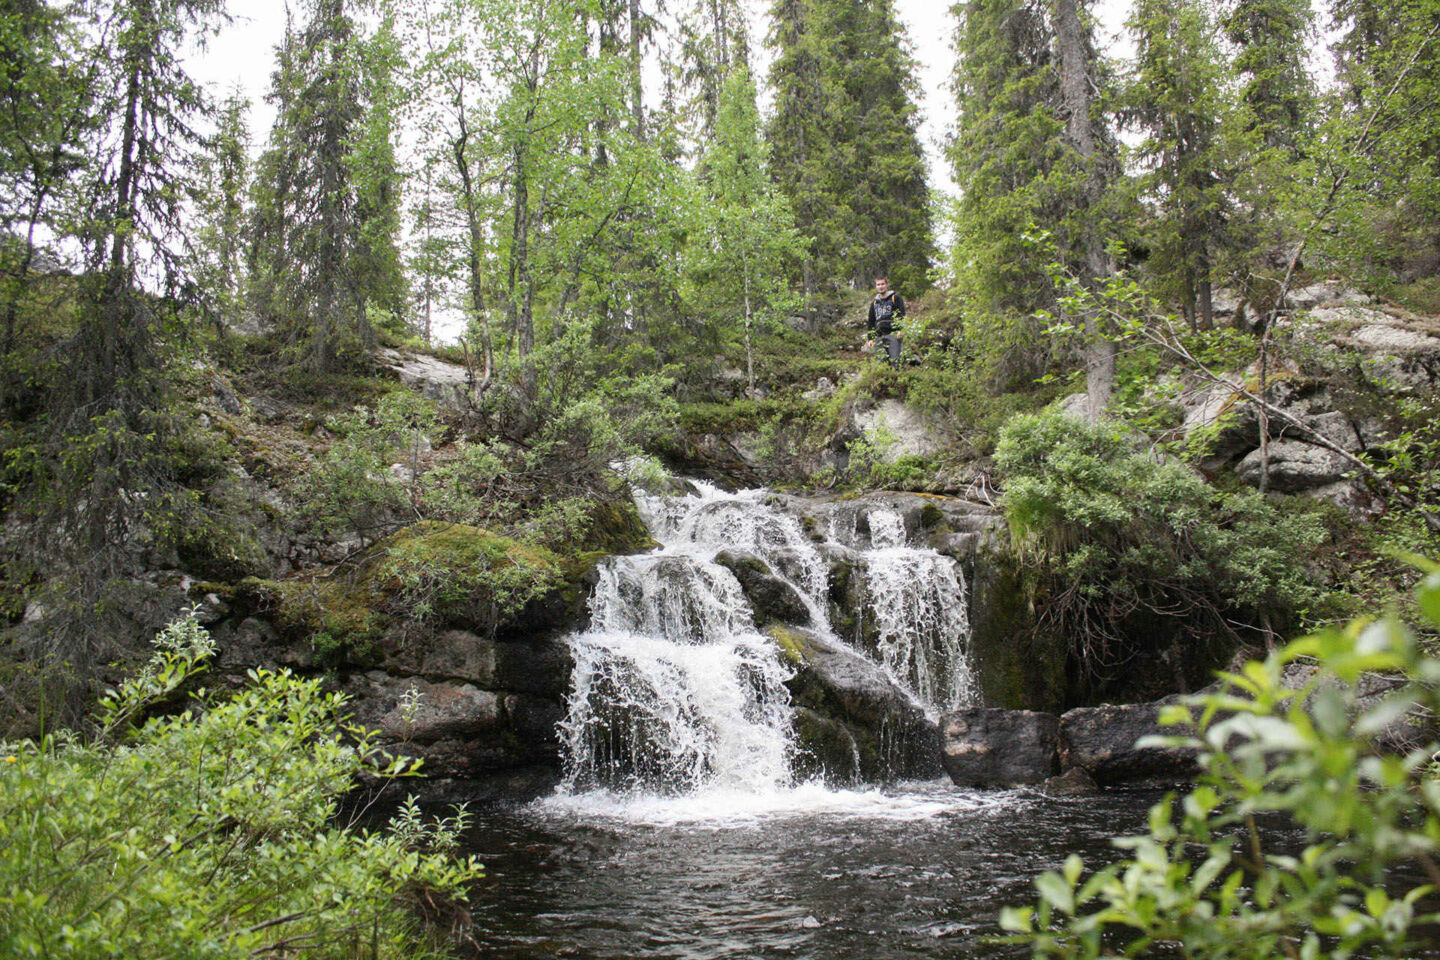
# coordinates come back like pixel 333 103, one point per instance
pixel 446 383
pixel 771 598
pixel 458 730
pixel 985 747
pixel 1104 741
pixel 1295 466
pixel 854 702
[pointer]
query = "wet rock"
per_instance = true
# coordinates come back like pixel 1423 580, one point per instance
pixel 771 598
pixel 1104 742
pixel 828 748
pixel 1074 782
pixel 985 747
pixel 892 734
pixel 537 666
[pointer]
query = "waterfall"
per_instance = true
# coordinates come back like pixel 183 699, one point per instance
pixel 675 691
pixel 918 600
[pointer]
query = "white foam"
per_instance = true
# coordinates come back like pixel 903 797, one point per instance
pixel 730 808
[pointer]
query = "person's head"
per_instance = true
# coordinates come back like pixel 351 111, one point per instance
pixel 882 285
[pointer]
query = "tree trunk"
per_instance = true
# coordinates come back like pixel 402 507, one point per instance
pixel 637 86
pixel 1075 86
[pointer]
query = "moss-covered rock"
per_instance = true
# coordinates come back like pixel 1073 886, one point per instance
pixel 771 598
pixel 1017 668
pixel 430 576
pixel 616 528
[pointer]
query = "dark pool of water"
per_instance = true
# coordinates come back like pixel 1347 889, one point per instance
pixel 920 872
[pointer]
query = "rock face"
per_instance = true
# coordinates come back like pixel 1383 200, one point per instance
pixel 854 722
pixel 1103 741
pixel 445 383
pixel 770 597
pixel 983 747
pixel 1364 357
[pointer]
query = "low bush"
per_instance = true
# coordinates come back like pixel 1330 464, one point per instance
pixel 1133 557
pixel 213 833
pixel 1203 883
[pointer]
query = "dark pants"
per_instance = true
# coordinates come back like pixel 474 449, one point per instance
pixel 891 344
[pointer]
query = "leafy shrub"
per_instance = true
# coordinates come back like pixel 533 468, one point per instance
pixel 211 833
pixel 1134 557
pixel 1366 882
pixel 350 488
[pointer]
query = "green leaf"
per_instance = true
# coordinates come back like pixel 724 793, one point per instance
pixel 1056 891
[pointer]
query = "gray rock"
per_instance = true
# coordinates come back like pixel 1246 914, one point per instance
pixel 1104 742
pixel 225 397
pixel 1412 729
pixel 1230 420
pixel 823 388
pixel 770 597
pixel 452 655
pixel 985 747
pixel 894 736
pixel 445 383
pixel 444 710
pixel 1074 782
pixel 1295 466
pixel 911 435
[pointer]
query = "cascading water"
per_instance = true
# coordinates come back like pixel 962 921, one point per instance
pixel 918 600
pixel 676 692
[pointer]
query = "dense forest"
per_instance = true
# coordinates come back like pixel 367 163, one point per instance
pixel 658 256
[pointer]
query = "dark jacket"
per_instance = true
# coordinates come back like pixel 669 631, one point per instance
pixel 886 313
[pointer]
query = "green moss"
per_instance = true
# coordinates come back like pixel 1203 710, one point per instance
pixel 616 528
pixel 792 644
pixel 427 575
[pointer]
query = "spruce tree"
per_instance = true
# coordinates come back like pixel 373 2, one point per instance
pixel 1276 93
pixel 1035 158
pixel 1266 135
pixel 844 144
pixel 1388 60
pixel 323 248
pixel 222 185
pixel 1176 100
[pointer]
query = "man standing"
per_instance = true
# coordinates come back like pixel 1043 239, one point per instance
pixel 886 312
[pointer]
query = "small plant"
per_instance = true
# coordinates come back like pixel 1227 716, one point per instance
pixel 1203 883
pixel 213 832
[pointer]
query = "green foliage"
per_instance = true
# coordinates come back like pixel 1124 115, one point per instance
pixel 213 832
pixel 741 230
pixel 1204 883
pixel 351 488
pixel 1133 553
pixel 845 145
